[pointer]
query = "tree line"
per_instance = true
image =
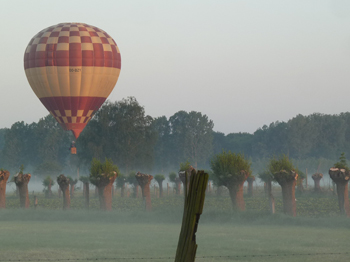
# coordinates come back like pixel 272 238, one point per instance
pixel 121 131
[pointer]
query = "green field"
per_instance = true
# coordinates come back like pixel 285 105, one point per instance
pixel 116 236
pixel 318 233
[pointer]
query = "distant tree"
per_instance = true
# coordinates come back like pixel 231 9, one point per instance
pixel 50 167
pixel 232 170
pixel 176 182
pixel 121 131
pixel 192 137
pixel 162 147
pixel 131 179
pixel 14 146
pixel 48 183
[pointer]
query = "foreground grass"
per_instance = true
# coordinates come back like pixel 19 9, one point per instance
pixel 49 234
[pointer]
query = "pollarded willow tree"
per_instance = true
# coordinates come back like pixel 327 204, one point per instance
pixel 121 180
pixel 48 182
pixel 21 180
pixel 63 183
pixel 102 175
pixel 340 174
pixel 283 172
pixel 72 183
pixel 4 176
pixel 176 181
pixel 144 181
pixel 267 178
pixel 250 180
pixel 232 170
pixel 317 178
pixel 131 179
pixel 185 169
pixel 160 178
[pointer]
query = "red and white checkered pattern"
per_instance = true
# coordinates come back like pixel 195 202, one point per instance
pixel 72 44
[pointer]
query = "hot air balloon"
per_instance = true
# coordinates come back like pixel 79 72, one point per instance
pixel 72 68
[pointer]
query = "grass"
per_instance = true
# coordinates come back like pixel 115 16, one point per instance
pixel 130 234
pixel 49 234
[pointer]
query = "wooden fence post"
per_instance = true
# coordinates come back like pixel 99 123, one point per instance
pixel 194 201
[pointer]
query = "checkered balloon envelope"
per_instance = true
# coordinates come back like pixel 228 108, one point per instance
pixel 72 68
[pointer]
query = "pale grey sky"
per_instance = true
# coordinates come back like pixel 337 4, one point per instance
pixel 243 63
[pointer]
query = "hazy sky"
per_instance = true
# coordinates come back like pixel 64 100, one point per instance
pixel 242 63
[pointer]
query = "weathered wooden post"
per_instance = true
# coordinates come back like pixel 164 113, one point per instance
pixel 193 208
pixel 4 176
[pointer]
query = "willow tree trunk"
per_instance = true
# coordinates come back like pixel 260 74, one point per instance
pixel 341 178
pixel 300 186
pixel 270 196
pixel 86 189
pixel 63 183
pixel 250 181
pixel 136 190
pixel 22 181
pixel 160 183
pixel 317 178
pixel 49 191
pixel 4 176
pixel 287 181
pixel 178 186
pixel 105 191
pixel 59 192
pixel 236 195
pixel 144 181
pixel 122 191
pixel 72 190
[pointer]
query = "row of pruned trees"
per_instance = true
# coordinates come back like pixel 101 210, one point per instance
pixel 232 170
